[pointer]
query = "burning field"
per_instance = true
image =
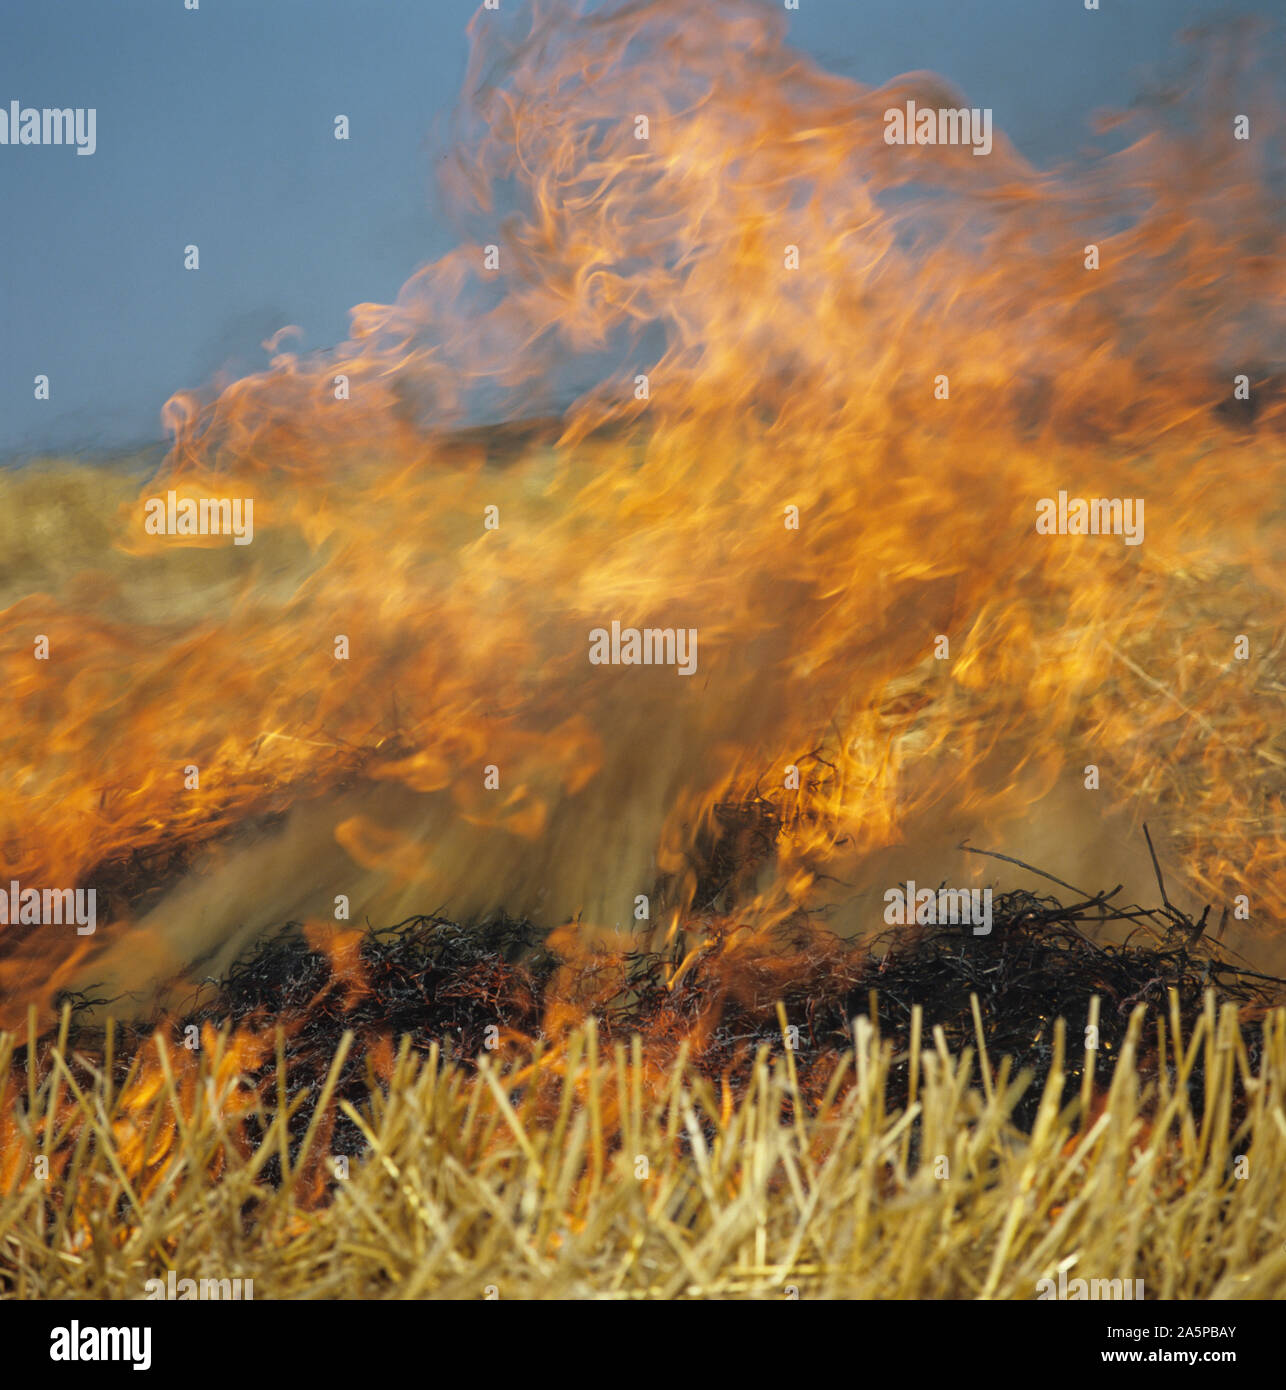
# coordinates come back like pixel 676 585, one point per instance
pixel 627 778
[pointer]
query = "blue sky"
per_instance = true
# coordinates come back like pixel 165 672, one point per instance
pixel 215 127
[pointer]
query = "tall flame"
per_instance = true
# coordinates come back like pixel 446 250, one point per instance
pixel 750 310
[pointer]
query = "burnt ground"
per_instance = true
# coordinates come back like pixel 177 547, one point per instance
pixel 435 981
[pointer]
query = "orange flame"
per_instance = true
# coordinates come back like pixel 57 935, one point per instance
pixel 768 299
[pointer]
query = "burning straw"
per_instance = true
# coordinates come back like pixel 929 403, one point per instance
pixel 952 1140
pixel 847 378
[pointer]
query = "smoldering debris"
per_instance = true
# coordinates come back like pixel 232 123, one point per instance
pixel 503 986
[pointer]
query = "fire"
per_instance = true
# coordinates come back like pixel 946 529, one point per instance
pixel 832 381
